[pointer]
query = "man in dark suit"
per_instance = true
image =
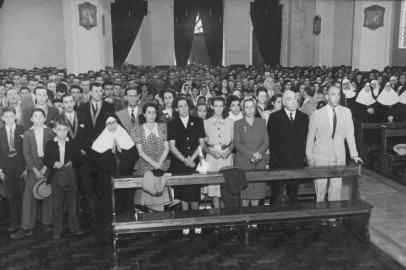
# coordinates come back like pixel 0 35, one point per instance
pixel 12 164
pixel 173 83
pixel 287 130
pixel 94 115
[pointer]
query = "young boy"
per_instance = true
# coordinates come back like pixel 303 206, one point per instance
pixel 12 164
pixel 61 156
pixel 34 142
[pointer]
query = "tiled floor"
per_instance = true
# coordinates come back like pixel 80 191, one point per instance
pixel 312 247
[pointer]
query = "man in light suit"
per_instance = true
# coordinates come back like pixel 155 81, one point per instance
pixel 129 115
pixel 329 128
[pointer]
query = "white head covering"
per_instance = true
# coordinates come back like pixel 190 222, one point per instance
pixel 183 91
pixel 402 98
pixel 349 92
pixel 376 89
pixel 105 140
pixel 208 95
pixel 365 96
pixel 388 96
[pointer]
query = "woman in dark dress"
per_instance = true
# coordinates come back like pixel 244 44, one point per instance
pixel 111 145
pixel 349 94
pixel 399 109
pixel 185 135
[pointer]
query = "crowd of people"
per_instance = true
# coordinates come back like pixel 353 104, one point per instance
pixel 73 132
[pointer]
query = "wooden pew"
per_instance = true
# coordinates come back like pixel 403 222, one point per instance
pixel 355 212
pixel 390 162
pixel 369 139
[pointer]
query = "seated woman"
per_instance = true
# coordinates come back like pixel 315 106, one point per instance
pixel 153 148
pixel 251 142
pixel 385 103
pixel 185 135
pixel 219 145
pixel 364 105
pixel 399 109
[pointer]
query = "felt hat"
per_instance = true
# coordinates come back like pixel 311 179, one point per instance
pixel 64 178
pixel 41 190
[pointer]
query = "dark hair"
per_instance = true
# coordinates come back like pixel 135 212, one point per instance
pixel 167 91
pixel 321 104
pixel 261 89
pixel 225 112
pixel 61 88
pixel 60 120
pixel 40 87
pixel 66 95
pixel 25 88
pixel 107 83
pixel 310 91
pixel 273 99
pixel 75 86
pixel 95 84
pixel 231 99
pixel 10 90
pixel 132 88
pixel 38 110
pixel 8 109
pixel 141 118
pixel 180 98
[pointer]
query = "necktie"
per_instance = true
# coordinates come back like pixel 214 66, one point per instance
pixel 95 108
pixel 334 123
pixel 132 117
pixel 291 118
pixel 11 141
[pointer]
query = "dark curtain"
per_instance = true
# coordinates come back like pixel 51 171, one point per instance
pixel 185 12
pixel 126 19
pixel 211 14
pixel 266 17
pixel 1 3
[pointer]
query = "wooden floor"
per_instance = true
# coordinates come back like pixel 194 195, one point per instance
pixel 311 247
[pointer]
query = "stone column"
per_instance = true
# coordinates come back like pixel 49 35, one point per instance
pixel 87 49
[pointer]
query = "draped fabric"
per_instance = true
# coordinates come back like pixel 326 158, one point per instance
pixel 1 3
pixel 126 19
pixel 185 12
pixel 211 14
pixel 266 17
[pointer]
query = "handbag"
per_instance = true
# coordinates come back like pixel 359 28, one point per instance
pixel 203 166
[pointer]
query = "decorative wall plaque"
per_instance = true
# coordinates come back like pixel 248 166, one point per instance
pixel 373 17
pixel 87 15
pixel 316 25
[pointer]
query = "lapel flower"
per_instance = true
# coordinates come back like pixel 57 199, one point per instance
pixel 191 123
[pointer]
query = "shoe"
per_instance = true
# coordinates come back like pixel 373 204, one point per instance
pixel 21 234
pixel 323 222
pixel 198 231
pixel 186 231
pixel 56 236
pixel 78 232
pixel 46 227
pixel 12 229
pixel 332 223
pixel 253 226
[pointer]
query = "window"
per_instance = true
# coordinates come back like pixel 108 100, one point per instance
pixel 198 25
pixel 402 26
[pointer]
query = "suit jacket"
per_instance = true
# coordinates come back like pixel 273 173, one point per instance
pixel 77 130
pixel 18 143
pixel 321 147
pixel 30 148
pixel 91 132
pixel 125 118
pixel 287 141
pixel 72 153
pixel 26 117
pixel 309 107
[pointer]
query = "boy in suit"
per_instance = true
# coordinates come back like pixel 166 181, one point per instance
pixel 34 141
pixel 12 164
pixel 61 156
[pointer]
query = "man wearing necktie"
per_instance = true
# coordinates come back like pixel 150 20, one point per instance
pixel 287 131
pixel 329 128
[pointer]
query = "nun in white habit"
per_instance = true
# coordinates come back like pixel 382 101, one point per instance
pixel 349 94
pixel 385 103
pixel 365 105
pixel 107 149
pixel 399 109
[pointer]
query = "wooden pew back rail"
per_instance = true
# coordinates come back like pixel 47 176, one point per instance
pixel 355 212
